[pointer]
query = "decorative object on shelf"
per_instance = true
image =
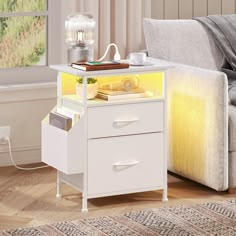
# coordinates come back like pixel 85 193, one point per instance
pixel 92 88
pixel 129 83
pixel 126 88
pixel 126 84
pixel 80 35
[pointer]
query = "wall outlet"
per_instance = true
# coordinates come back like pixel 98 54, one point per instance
pixel 4 132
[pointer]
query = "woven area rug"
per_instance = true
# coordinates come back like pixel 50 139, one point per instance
pixel 215 218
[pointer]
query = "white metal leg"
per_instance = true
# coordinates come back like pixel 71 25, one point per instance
pixel 164 195
pixel 84 203
pixel 165 190
pixel 58 195
pixel 85 179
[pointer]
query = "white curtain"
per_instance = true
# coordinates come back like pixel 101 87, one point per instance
pixel 118 21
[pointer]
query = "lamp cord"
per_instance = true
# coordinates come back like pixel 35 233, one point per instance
pixel 116 56
pixel 13 162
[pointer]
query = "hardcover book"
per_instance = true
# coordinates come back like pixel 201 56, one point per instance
pixel 104 65
pixel 120 92
pixel 120 97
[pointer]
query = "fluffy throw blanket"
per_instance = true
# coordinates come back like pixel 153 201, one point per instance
pixel 223 30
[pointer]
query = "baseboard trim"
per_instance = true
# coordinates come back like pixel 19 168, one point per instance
pixel 21 156
pixel 19 149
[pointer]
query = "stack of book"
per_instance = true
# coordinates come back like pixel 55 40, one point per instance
pixel 112 95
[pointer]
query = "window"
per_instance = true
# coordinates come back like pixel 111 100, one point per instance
pixel 30 39
pixel 23 36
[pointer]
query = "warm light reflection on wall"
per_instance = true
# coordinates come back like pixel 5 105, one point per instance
pixel 187 127
pixel 152 82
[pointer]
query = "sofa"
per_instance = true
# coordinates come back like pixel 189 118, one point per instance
pixel 201 122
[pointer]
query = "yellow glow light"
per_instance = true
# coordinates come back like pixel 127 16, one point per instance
pixel 151 82
pixel 68 84
pixel 187 127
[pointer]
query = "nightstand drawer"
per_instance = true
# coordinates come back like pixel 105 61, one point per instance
pixel 125 119
pixel 125 164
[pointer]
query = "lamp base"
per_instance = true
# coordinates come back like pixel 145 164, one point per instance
pixel 80 54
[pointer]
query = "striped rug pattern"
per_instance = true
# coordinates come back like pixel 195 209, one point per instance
pixel 214 218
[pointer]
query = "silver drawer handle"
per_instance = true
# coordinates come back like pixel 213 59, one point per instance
pixel 126 121
pixel 126 163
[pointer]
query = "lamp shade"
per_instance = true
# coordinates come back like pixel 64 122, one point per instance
pixel 80 30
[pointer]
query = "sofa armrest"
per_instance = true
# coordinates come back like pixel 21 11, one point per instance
pixel 198 125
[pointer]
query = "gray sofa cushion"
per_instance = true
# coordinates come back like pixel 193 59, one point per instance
pixel 232 128
pixel 182 41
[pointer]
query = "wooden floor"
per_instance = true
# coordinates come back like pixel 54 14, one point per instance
pixel 28 198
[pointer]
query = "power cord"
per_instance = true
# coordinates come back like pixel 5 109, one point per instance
pixel 116 56
pixel 13 162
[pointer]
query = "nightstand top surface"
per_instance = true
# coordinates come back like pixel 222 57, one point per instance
pixel 152 65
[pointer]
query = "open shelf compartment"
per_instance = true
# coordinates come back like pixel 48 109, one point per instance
pixel 151 83
pixel 64 150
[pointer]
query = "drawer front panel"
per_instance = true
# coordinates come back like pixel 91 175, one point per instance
pixel 125 163
pixel 125 119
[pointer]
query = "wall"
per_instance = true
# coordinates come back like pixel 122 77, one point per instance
pixel 120 21
pixel 22 108
pixel 184 9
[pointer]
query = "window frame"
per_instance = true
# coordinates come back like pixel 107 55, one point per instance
pixel 39 74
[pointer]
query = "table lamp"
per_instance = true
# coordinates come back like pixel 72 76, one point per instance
pixel 80 36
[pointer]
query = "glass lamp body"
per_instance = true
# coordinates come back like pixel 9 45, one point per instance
pixel 80 36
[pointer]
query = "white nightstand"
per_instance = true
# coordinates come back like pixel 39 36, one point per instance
pixel 116 147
